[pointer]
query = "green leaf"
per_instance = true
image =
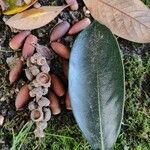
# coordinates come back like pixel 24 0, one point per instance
pixel 96 85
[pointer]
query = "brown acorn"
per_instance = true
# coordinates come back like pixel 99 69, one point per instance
pixel 47 114
pixel 54 103
pixel 73 4
pixel 65 67
pixel 57 85
pixel 28 47
pixel 60 49
pixel 79 26
pixel 22 97
pixel 59 31
pixel 17 41
pixel 68 102
pixel 16 70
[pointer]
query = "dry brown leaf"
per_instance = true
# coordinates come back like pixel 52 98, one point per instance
pixel 13 9
pixel 34 18
pixel 129 19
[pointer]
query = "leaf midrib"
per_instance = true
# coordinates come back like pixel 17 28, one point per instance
pixel 99 110
pixel 123 13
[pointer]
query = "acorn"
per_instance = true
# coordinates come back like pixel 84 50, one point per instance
pixel 54 103
pixel 28 47
pixel 16 70
pixel 79 26
pixel 59 31
pixel 65 67
pixel 73 4
pixel 68 102
pixel 61 50
pixel 17 41
pixel 22 97
pixel 57 85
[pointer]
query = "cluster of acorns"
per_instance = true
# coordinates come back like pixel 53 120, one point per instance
pixel 43 88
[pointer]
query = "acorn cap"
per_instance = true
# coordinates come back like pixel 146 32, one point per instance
pixel 37 115
pixel 47 114
pixel 41 125
pixel 43 79
pixel 43 102
pixel 32 105
pixel 39 133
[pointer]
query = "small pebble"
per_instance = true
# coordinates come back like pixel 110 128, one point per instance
pixel 1 120
pixel 27 1
pixel 37 5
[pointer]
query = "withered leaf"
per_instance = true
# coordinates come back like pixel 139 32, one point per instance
pixel 34 18
pixel 13 9
pixel 129 19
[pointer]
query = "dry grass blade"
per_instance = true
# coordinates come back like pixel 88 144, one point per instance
pixel 34 18
pixel 129 19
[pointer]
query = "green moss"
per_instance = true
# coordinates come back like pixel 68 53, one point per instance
pixel 135 131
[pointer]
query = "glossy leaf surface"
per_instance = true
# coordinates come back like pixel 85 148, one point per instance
pixel 96 85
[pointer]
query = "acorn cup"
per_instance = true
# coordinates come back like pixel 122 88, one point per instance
pixel 43 102
pixel 32 105
pixel 43 51
pixel 37 115
pixel 37 72
pixel 43 79
pixel 68 102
